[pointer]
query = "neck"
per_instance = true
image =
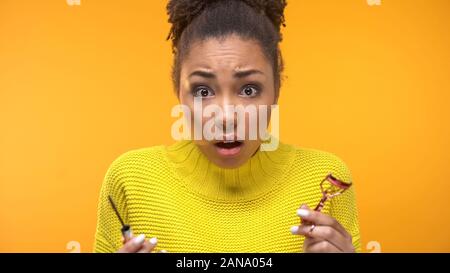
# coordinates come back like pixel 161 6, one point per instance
pixel 258 175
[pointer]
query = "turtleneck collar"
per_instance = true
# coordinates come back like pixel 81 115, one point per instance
pixel 261 173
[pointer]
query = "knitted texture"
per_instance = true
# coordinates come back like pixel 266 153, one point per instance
pixel 176 194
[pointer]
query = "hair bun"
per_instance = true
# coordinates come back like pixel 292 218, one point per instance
pixel 274 9
pixel 182 12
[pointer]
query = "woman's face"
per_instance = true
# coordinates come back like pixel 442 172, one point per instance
pixel 230 71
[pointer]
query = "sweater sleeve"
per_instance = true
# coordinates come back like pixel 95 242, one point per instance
pixel 108 232
pixel 343 207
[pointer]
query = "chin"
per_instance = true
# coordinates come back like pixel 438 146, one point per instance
pixel 231 154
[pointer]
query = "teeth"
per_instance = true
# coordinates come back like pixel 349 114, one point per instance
pixel 228 141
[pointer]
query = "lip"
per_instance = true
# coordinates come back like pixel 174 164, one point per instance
pixel 228 152
pixel 225 138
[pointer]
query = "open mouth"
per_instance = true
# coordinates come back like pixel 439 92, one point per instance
pixel 228 144
pixel 228 148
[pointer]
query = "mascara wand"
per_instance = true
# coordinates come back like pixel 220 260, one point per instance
pixel 126 229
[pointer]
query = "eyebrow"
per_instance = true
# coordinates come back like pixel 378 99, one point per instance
pixel 238 74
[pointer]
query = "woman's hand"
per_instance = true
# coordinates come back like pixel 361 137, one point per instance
pixel 323 233
pixel 138 244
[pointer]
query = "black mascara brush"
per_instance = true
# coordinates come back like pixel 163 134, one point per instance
pixel 127 233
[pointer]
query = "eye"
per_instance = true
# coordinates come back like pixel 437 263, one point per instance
pixel 202 92
pixel 249 91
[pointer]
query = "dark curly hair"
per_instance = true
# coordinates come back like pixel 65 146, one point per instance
pixel 259 20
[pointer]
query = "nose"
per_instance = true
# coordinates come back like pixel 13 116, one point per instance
pixel 228 122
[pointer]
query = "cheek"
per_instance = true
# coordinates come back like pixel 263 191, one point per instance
pixel 199 120
pixel 188 112
pixel 268 98
pixel 263 110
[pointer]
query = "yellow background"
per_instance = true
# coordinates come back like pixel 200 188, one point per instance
pixel 79 85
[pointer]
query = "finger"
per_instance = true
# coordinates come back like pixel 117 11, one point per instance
pixel 148 246
pixel 321 247
pixel 133 245
pixel 320 219
pixel 310 241
pixel 304 206
pixel 325 233
pixel 295 230
pixel 125 240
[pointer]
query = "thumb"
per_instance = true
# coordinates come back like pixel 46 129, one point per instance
pixel 304 206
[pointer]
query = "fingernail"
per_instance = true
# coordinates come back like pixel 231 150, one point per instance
pixel 163 251
pixel 153 241
pixel 294 229
pixel 302 212
pixel 139 239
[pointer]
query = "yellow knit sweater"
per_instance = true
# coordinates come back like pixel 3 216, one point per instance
pixel 176 194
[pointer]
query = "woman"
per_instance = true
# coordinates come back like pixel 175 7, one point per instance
pixel 226 196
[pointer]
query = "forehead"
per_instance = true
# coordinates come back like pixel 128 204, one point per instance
pixel 226 54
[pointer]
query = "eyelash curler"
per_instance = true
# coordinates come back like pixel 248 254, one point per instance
pixel 127 233
pixel 330 187
pixel 333 188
